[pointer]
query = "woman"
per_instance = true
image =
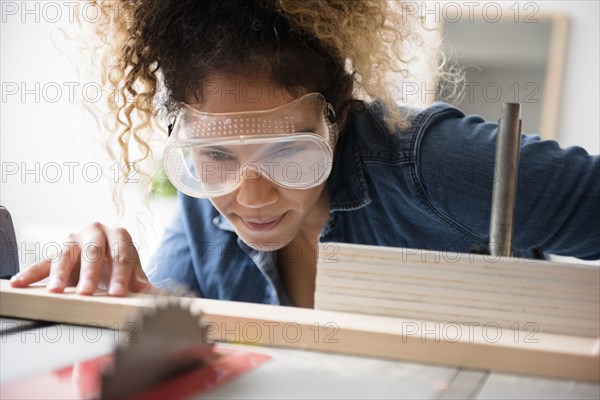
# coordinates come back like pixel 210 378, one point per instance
pixel 272 153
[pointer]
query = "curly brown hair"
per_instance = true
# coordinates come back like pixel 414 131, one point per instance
pixel 161 52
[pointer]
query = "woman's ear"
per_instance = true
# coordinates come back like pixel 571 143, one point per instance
pixel 344 100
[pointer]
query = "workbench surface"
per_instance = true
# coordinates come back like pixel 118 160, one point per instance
pixel 28 348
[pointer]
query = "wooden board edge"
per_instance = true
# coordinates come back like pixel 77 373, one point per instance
pixel 357 334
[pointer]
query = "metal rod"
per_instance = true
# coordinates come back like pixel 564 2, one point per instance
pixel 508 146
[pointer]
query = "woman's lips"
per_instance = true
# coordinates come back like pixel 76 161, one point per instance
pixel 261 224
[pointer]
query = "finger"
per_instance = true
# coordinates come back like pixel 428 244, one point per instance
pixel 124 261
pixel 139 283
pixel 62 266
pixel 147 288
pixel 93 260
pixel 34 273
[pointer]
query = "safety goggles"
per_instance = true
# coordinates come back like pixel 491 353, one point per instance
pixel 208 155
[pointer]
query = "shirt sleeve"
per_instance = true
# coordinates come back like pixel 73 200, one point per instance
pixel 171 267
pixel 558 192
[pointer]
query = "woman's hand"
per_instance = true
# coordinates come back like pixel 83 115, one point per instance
pixel 96 257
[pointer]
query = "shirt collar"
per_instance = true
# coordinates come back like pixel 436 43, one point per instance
pixel 222 223
pixel 266 261
pixel 347 186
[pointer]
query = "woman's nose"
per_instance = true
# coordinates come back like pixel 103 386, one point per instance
pixel 256 191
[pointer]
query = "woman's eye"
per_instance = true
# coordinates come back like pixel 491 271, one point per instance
pixel 216 155
pixel 288 151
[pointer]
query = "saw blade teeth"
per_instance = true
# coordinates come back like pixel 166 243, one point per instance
pixel 163 302
pixel 196 314
pixel 186 303
pixel 169 337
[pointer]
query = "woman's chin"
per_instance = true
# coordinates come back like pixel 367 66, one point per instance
pixel 265 238
pixel 263 244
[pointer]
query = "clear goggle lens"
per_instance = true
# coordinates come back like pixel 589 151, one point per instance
pixel 207 157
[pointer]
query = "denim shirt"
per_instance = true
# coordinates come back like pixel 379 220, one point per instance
pixel 428 187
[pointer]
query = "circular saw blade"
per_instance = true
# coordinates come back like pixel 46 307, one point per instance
pixel 166 341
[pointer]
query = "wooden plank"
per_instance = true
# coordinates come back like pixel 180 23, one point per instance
pixel 432 294
pixel 426 293
pixel 442 312
pixel 391 267
pixel 425 273
pixel 393 338
pixel 333 253
pixel 557 298
pixel 461 316
pixel 521 288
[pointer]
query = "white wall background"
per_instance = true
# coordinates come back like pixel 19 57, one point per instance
pixel 578 120
pixel 50 145
pixel 43 127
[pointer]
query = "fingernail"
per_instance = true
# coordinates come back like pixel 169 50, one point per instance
pixel 16 277
pixel 54 283
pixel 116 289
pixel 86 286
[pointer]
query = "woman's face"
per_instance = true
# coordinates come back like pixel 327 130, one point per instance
pixel 265 215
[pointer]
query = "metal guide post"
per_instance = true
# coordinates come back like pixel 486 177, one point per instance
pixel 508 146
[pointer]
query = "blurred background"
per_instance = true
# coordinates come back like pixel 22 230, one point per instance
pixel 56 177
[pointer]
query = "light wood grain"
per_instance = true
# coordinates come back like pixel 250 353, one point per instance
pixel 579 280
pixel 348 333
pixel 332 253
pixel 492 285
pixel 452 287
pixel 431 312
pixel 424 293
